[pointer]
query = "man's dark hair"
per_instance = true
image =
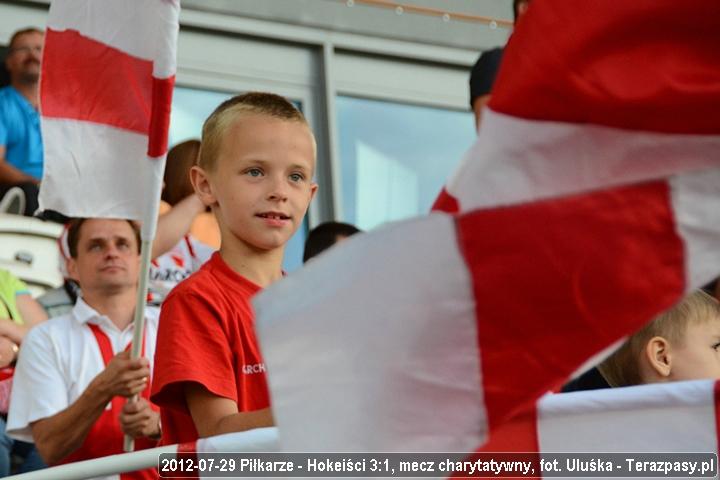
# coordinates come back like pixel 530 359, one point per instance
pixel 73 236
pixel 483 73
pixel 325 236
pixel 23 32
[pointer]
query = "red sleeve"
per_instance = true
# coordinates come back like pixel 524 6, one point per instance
pixel 192 346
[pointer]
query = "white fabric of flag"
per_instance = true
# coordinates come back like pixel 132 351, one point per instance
pixel 106 86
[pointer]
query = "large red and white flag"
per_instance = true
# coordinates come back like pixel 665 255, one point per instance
pixel 589 204
pixel 107 78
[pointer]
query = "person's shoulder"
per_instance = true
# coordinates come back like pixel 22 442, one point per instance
pixel 7 94
pixel 196 283
pixel 54 328
pixel 63 322
pixel 212 290
pixel 200 287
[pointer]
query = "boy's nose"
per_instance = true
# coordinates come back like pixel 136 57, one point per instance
pixel 278 191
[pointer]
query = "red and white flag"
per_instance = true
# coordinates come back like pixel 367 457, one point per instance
pixel 589 204
pixel 677 417
pixel 107 78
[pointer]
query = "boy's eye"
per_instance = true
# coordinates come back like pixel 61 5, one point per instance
pixel 716 346
pixel 254 172
pixel 296 177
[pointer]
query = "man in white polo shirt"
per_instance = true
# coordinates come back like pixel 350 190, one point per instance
pixel 74 374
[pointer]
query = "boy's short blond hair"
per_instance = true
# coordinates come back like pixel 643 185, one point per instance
pixel 258 103
pixel 622 368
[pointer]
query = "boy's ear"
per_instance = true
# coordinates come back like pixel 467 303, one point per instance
pixel 313 190
pixel 201 184
pixel 657 352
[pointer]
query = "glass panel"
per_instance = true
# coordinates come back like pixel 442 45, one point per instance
pixel 190 108
pixel 396 157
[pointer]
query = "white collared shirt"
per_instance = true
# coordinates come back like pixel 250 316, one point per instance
pixel 59 358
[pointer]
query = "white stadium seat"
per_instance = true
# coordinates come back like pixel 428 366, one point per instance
pixel 29 249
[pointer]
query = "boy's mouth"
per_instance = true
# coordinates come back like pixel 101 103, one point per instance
pixel 273 216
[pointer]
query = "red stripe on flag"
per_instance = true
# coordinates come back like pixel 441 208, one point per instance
pixel 83 79
pixel 446 203
pixel 630 65
pixel 162 90
pixel 559 280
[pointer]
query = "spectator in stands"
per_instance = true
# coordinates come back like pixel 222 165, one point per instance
pixel 483 73
pixel 21 151
pixel 255 171
pixel 72 367
pixel 680 344
pixel 18 313
pixel 188 253
pixel 325 236
pixel 175 253
pixel 178 188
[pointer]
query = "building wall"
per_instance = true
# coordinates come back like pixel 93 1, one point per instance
pixel 335 15
pixel 386 94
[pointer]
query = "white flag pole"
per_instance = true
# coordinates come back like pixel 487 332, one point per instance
pixel 147 235
pixel 259 440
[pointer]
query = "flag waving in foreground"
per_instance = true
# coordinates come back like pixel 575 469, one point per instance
pixel 107 77
pixel 589 204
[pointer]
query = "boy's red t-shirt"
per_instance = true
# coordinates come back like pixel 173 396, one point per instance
pixel 207 335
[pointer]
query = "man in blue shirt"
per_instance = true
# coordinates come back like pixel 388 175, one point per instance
pixel 21 151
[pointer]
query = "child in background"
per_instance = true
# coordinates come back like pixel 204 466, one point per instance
pixel 255 171
pixel 180 159
pixel 680 344
pixel 182 212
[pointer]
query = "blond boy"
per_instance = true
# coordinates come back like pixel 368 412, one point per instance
pixel 680 344
pixel 255 171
